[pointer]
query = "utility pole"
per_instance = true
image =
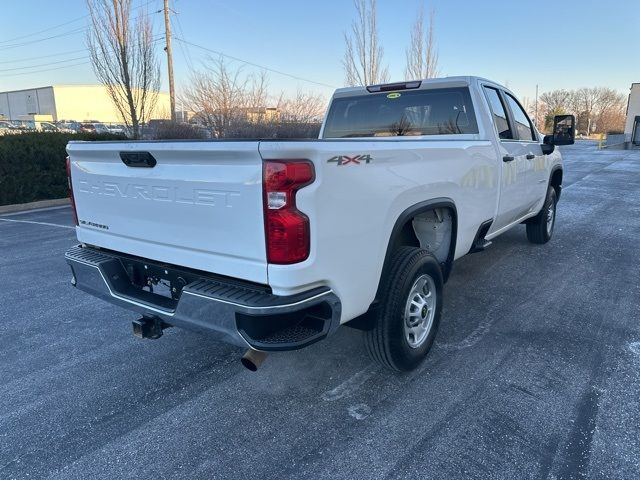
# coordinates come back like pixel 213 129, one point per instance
pixel 536 117
pixel 167 48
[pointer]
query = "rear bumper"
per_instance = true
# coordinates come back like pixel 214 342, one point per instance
pixel 241 313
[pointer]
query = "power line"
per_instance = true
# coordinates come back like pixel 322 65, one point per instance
pixel 19 60
pixel 279 72
pixel 64 34
pixel 44 30
pixel 44 39
pixel 44 64
pixel 183 48
pixel 155 40
pixel 46 70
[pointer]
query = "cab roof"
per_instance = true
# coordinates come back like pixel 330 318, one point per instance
pixel 456 81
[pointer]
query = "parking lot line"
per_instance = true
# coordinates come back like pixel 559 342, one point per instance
pixel 34 210
pixel 37 223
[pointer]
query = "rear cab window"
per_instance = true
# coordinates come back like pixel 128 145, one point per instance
pixel 436 111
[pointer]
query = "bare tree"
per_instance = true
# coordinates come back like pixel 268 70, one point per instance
pixel 303 108
pixel 422 55
pixel 363 54
pixel 232 104
pixel 610 110
pixel 584 103
pixel 612 120
pixel 217 95
pixel 559 100
pixel 555 102
pixel 597 109
pixel 257 94
pixel 124 60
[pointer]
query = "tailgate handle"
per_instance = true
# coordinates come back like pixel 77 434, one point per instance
pixel 138 159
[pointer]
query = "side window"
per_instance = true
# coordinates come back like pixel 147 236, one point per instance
pixel 523 124
pixel 499 113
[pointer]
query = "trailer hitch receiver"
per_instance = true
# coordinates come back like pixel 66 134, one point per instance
pixel 149 327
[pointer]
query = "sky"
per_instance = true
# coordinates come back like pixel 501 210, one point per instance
pixel 553 44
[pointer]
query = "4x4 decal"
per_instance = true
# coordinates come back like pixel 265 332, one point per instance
pixel 341 160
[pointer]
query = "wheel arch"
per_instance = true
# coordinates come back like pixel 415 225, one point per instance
pixel 402 232
pixel 555 180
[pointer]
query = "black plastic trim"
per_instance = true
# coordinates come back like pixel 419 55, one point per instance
pixel 211 303
pixel 138 159
pixel 389 87
pixel 553 171
pixel 411 212
pixel 547 148
pixel 479 243
pixel 292 329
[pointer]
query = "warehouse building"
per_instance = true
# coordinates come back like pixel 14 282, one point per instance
pixel 69 102
pixel 632 125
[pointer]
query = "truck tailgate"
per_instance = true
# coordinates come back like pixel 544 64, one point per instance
pixel 200 206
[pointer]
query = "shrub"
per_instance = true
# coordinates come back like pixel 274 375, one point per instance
pixel 273 130
pixel 32 165
pixel 176 131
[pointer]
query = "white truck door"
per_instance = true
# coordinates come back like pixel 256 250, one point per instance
pixel 515 196
pixel 537 168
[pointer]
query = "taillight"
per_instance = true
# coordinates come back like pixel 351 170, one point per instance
pixel 70 191
pixel 286 228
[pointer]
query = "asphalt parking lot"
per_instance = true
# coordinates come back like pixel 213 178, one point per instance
pixel 535 372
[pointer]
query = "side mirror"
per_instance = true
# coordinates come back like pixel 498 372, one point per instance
pixel 564 131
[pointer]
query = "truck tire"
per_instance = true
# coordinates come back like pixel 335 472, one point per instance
pixel 408 316
pixel 540 227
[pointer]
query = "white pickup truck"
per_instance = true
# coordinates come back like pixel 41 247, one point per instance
pixel 272 244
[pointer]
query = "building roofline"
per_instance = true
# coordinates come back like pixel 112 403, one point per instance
pixel 63 85
pixel 26 89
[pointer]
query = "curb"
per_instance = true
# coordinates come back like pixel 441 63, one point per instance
pixel 21 207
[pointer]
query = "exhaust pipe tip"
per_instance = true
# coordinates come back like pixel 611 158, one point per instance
pixel 252 359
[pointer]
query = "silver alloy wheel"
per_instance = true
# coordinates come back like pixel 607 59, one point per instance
pixel 551 214
pixel 420 311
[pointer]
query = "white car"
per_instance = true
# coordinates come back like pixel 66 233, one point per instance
pixel 272 245
pixel 116 129
pixel 7 128
pixel 50 127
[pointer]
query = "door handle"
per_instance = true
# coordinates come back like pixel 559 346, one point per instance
pixel 508 158
pixel 530 156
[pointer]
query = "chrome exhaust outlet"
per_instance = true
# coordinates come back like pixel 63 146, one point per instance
pixel 252 359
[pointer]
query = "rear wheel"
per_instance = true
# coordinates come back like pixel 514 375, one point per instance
pixel 540 227
pixel 406 322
